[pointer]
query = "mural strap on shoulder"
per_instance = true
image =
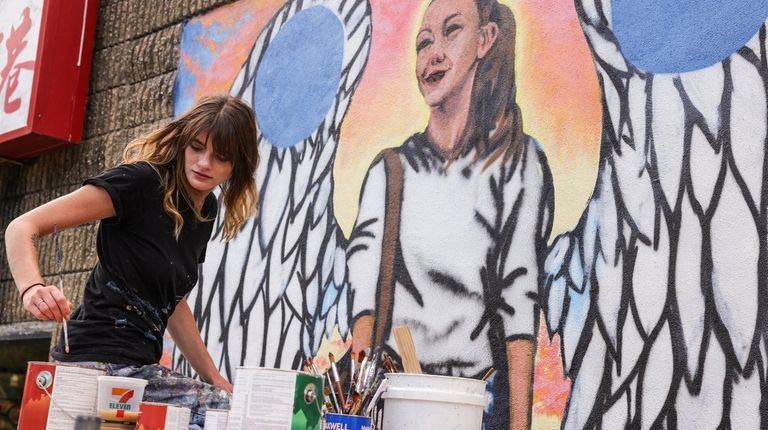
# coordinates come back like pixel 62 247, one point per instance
pixel 386 285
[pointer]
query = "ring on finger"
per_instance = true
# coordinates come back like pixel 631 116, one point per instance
pixel 40 303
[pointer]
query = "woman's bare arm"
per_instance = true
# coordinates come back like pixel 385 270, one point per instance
pixel 22 236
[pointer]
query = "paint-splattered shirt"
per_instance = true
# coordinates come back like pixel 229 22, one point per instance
pixel 471 242
pixel 141 274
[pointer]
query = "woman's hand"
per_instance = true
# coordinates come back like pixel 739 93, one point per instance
pixel 47 303
pixel 186 335
pixel 221 382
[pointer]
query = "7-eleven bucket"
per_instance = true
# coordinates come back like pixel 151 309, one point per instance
pixel 275 399
pixel 119 398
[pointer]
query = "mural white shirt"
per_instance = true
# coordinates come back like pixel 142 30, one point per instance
pixel 469 233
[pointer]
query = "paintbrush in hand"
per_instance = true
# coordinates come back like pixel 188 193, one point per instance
pixel 58 257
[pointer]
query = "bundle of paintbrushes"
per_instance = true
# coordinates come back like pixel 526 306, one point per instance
pixel 362 381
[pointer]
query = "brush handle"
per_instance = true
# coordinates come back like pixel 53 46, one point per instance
pixel 407 349
pixel 60 275
pixel 343 401
pixel 334 399
pixel 337 384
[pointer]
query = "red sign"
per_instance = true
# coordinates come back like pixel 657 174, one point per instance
pixel 18 49
pixel 45 59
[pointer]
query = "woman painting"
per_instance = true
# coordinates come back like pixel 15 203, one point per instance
pixel 157 214
pixel 451 235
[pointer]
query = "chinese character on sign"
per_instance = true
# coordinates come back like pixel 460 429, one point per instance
pixel 9 73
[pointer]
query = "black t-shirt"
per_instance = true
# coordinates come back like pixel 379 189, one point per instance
pixel 142 272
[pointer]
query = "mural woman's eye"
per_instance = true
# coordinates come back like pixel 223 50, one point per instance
pixel 451 29
pixel 223 157
pixel 423 44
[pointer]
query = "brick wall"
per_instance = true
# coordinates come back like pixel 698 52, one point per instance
pixel 134 67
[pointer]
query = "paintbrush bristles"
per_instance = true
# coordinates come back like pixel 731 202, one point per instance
pixel 407 349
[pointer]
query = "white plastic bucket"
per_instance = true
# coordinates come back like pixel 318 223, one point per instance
pixel 417 402
pixel 119 398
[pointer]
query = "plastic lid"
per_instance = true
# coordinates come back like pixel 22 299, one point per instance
pixel 122 380
pixel 429 395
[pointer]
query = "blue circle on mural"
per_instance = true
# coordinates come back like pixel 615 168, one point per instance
pixel 297 79
pixel 662 36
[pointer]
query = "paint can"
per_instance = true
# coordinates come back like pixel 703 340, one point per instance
pixel 216 419
pixel 56 394
pixel 119 398
pixel 347 422
pixel 418 401
pixel 162 416
pixel 275 398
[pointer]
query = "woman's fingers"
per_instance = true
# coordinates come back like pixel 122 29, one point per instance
pixel 48 303
pixel 35 304
pixel 62 304
pixel 42 305
pixel 37 313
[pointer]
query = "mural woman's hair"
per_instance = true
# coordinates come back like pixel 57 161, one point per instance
pixel 495 120
pixel 231 128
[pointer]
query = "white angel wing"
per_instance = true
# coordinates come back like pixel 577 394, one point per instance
pixel 268 296
pixel 658 292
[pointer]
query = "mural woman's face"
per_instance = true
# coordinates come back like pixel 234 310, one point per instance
pixel 449 43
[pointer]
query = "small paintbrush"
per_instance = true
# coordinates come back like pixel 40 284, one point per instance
pixel 336 379
pixel 58 257
pixel 352 371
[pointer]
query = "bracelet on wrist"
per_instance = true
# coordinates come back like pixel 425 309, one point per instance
pixel 36 284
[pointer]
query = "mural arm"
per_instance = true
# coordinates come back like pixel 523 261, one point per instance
pixel 520 358
pixel 524 232
pixel 364 255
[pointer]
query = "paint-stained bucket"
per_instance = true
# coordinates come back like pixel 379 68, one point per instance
pixel 347 422
pixel 54 394
pixel 119 398
pixel 417 402
pixel 275 398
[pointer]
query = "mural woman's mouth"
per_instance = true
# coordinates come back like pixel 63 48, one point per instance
pixel 435 76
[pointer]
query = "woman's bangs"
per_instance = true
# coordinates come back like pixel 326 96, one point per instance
pixel 224 139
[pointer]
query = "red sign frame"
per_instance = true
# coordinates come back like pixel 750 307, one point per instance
pixel 60 83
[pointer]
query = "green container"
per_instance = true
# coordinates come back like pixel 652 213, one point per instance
pixel 276 398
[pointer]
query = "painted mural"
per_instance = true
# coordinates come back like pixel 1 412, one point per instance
pixel 575 182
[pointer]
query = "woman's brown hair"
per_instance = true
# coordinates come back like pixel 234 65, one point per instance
pixel 495 121
pixel 231 128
